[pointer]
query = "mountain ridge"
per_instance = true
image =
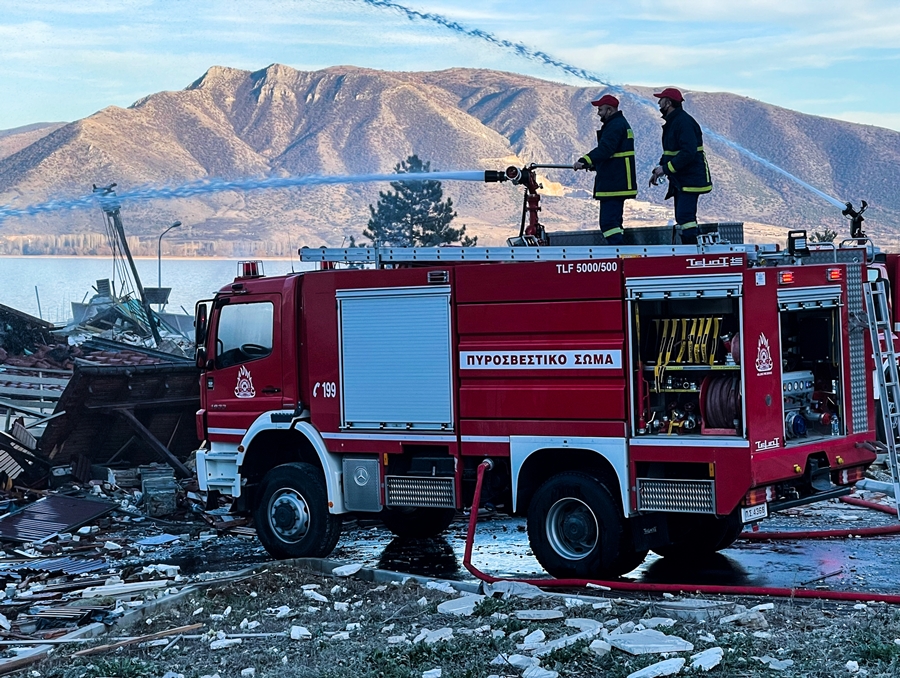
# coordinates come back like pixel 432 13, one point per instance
pixel 278 121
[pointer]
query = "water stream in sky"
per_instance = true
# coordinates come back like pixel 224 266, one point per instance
pixel 202 187
pixel 537 56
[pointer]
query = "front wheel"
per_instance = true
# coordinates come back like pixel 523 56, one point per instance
pixel 291 517
pixel 576 529
pixel 417 523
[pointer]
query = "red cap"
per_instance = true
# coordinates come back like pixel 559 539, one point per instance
pixel 606 100
pixel 670 93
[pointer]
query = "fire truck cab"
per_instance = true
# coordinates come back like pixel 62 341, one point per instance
pixel 631 398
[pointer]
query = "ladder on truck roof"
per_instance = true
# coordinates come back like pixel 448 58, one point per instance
pixel 887 379
pixel 391 255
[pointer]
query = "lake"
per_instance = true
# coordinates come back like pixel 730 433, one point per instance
pixel 62 280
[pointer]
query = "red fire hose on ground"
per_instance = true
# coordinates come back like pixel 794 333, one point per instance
pixel 685 588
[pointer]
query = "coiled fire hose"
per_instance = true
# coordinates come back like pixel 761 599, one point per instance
pixel 772 591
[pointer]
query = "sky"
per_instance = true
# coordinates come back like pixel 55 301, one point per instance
pixel 61 60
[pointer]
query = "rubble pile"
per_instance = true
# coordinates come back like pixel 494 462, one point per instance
pixel 286 620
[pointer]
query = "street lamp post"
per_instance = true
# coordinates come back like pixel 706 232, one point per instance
pixel 159 253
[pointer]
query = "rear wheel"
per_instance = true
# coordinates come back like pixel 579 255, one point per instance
pixel 691 535
pixel 576 529
pixel 291 517
pixel 417 522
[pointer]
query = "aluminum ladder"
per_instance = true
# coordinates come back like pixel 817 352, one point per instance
pixel 888 381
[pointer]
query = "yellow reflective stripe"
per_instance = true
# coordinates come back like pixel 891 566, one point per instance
pixel 690 224
pixel 622 154
pixel 628 174
pixel 699 148
pixel 587 159
pixel 697 189
pixel 671 167
pixel 613 231
pixel 615 194
pixel 630 133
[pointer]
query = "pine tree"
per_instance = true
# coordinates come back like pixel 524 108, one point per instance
pixel 414 214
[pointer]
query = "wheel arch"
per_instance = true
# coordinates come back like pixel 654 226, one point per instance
pixel 535 460
pixel 269 444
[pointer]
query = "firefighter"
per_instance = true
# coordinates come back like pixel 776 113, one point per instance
pixel 613 162
pixel 683 162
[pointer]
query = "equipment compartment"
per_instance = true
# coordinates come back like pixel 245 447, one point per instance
pixel 811 352
pixel 688 382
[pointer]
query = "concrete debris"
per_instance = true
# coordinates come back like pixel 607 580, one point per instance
pixel 574 602
pixel 584 624
pixel 431 637
pixel 508 589
pixel 708 637
pixel 532 640
pixel 776 664
pixel 602 605
pixel 341 607
pixel 347 570
pixel 589 632
pixel 388 628
pixel 443 586
pixel 600 647
pixel 397 640
pixel 752 620
pixel 311 587
pixel 249 672
pixel 315 595
pixel 341 635
pixel 656 622
pixel 538 672
pixel 422 602
pixel 223 643
pixel 648 641
pixel 852 666
pixel 707 659
pixel 668 667
pixel 464 606
pixel 519 661
pixel 694 610
pixel 627 627
pixel 433 673
pixel 538 615
pixel 300 633
pixel 279 612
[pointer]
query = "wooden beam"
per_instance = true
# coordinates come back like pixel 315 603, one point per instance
pixel 144 434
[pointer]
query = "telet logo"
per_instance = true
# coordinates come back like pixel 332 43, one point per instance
pixel 244 388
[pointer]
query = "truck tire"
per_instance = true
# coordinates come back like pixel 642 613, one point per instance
pixel 291 516
pixel 417 523
pixel 577 530
pixel 692 535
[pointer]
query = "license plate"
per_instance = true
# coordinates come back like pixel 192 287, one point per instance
pixel 751 513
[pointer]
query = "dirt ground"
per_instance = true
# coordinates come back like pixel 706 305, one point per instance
pixel 368 630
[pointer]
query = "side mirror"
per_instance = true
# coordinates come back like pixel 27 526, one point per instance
pixel 201 323
pixel 200 358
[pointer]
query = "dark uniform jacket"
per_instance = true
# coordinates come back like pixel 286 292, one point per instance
pixel 613 160
pixel 683 159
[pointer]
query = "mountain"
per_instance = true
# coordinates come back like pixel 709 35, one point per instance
pixel 279 121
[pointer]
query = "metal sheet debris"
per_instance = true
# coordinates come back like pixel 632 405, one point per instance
pixel 66 565
pixel 51 515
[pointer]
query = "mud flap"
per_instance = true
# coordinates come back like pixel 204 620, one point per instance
pixel 649 531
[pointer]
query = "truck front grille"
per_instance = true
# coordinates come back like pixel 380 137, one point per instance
pixel 679 496
pixel 417 491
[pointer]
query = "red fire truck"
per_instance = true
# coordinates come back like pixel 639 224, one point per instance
pixel 630 398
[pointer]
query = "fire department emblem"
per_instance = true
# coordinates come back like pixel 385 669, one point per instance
pixel 244 388
pixel 764 363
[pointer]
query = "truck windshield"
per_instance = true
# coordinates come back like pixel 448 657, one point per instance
pixel 244 333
